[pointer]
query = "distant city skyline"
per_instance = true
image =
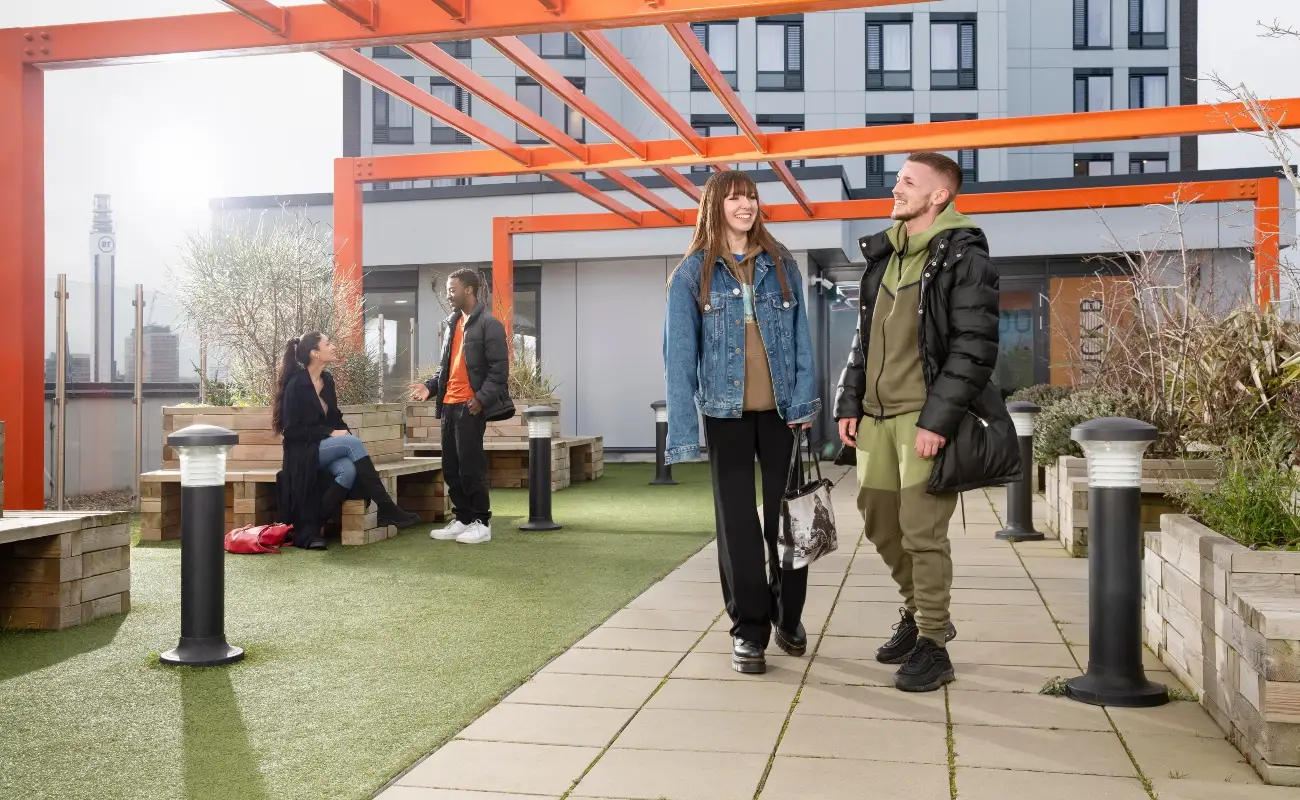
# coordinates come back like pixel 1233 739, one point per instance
pixel 163 139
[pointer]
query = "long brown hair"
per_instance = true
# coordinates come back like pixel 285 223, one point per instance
pixel 711 231
pixel 296 357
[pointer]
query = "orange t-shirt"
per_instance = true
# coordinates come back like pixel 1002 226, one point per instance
pixel 458 388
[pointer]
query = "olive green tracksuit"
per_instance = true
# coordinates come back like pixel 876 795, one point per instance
pixel 908 526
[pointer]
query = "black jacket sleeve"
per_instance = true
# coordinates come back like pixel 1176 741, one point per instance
pixel 301 414
pixel 334 418
pixel 498 363
pixel 853 382
pixel 432 385
pixel 972 344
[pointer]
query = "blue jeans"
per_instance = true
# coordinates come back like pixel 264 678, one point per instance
pixel 338 454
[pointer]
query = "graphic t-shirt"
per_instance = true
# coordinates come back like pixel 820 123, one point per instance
pixel 759 395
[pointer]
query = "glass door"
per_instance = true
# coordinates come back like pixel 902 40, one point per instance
pixel 1022 334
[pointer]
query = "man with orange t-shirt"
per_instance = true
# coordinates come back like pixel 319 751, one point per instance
pixel 470 391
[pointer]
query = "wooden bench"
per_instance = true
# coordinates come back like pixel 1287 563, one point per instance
pixel 59 569
pixel 573 458
pixel 415 483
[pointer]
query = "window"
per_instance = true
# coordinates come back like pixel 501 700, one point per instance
pixel 719 39
pixel 780 55
pixel 457 98
pixel 781 123
pixel 393 121
pixel 1091 24
pixel 1148 89
pixel 554 45
pixel 952 54
pixel 708 125
pixel 1093 164
pixel 1147 26
pixel 889 54
pixel 967 159
pixel 1148 163
pixel 458 48
pixel 882 171
pixel 553 110
pixel 1092 90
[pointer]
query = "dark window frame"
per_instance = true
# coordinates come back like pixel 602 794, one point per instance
pixel 876 164
pixel 971 173
pixel 1083 159
pixel 525 136
pixel 791 78
pixel 573 47
pixel 1138 37
pixel 442 134
pixel 1137 86
pixel 963 78
pixel 1136 160
pixel 701 31
pixel 878 80
pixel 788 123
pixel 387 133
pixel 1081 27
pixel 1082 91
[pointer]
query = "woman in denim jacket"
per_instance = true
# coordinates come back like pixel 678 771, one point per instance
pixel 738 351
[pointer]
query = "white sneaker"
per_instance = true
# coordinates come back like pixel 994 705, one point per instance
pixel 456 528
pixel 476 533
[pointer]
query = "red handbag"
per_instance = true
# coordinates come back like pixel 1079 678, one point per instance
pixel 253 539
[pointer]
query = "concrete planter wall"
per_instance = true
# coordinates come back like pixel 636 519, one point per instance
pixel 422 426
pixel 379 426
pixel 1226 620
pixel 1066 491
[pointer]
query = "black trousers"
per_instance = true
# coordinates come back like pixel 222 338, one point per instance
pixel 757 592
pixel 464 463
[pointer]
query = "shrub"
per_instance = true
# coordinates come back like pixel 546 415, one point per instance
pixel 1052 428
pixel 1254 503
pixel 1041 394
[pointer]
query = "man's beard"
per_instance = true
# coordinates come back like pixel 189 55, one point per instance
pixel 906 214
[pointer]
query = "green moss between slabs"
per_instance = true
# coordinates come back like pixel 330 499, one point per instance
pixel 360 660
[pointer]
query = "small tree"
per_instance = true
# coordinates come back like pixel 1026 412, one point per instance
pixel 249 285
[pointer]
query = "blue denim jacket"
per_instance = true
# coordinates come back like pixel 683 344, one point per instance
pixel 704 351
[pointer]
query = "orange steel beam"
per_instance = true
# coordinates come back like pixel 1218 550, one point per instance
pixel 555 6
pixel 488 92
pixel 1096 126
pixel 503 277
pixel 550 78
pixel 268 15
pixel 349 259
pixel 363 12
pixel 596 196
pixel 22 281
pixel 618 65
pixel 1268 225
pixel 456 9
pixel 315 27
pixel 643 194
pixel 982 203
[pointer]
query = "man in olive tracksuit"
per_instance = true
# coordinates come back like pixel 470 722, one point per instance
pixel 916 402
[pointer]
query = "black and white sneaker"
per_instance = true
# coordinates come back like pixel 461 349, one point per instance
pixel 926 669
pixel 896 650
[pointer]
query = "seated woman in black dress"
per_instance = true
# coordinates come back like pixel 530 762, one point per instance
pixel 306 412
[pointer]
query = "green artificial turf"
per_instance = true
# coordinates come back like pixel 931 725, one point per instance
pixel 360 660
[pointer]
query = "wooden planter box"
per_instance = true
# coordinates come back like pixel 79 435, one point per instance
pixel 422 426
pixel 1066 491
pixel 1226 620
pixel 378 425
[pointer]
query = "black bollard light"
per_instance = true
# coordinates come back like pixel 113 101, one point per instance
pixel 202 450
pixel 540 424
pixel 1020 495
pixel 663 470
pixel 1115 677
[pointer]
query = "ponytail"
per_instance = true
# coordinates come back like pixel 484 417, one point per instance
pixel 296 357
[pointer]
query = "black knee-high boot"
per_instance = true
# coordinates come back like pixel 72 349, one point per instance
pixel 389 513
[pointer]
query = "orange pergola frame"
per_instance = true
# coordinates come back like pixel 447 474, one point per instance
pixel 336 28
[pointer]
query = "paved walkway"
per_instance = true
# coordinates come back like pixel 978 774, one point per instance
pixel 647 706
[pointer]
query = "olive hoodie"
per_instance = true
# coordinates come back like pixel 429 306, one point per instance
pixel 895 382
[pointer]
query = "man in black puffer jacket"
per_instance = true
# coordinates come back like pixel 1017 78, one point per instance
pixel 916 402
pixel 471 389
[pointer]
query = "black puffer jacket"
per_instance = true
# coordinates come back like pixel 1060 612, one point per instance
pixel 958 321
pixel 487 364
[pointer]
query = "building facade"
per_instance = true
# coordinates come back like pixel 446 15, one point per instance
pixel 591 304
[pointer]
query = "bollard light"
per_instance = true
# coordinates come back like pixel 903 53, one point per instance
pixel 663 470
pixel 541 421
pixel 203 450
pixel 1020 495
pixel 1115 677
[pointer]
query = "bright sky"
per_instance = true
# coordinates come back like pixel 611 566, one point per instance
pixel 163 138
